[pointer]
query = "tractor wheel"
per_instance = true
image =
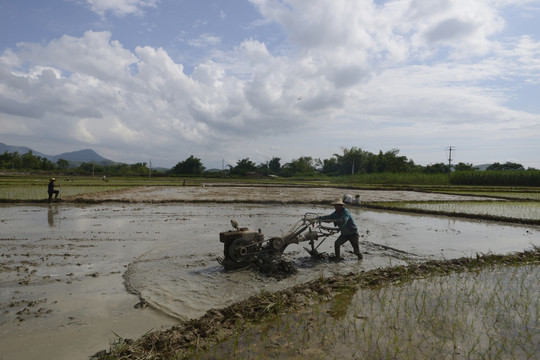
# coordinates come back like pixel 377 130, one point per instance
pixel 241 251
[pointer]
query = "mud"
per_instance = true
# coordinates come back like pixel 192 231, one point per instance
pixel 64 267
pixel 260 194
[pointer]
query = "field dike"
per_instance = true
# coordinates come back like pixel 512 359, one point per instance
pixel 188 339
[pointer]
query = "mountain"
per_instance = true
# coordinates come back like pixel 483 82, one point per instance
pixel 75 158
pixel 87 155
pixel 20 149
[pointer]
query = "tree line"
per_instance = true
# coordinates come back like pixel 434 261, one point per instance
pixel 31 162
pixel 350 162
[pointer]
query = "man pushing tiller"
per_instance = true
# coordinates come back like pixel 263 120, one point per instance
pixel 244 247
pixel 342 218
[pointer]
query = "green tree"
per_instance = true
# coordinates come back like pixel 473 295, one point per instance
pixel 243 167
pixel 274 165
pixel 391 162
pixel 353 160
pixel 29 161
pixel 304 165
pixel 330 166
pixel 91 167
pixel 138 169
pixel 190 166
pixel 46 164
pixel 508 166
pixel 464 167
pixel 6 160
pixel 439 168
pixel 62 164
pixel 16 161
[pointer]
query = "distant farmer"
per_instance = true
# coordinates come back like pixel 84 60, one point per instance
pixel 349 232
pixel 51 190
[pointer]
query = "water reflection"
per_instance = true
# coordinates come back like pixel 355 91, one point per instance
pixel 52 212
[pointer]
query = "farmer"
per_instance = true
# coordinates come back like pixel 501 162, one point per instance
pixel 51 190
pixel 349 232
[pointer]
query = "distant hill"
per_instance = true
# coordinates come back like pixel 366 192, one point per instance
pixel 20 149
pixel 75 158
pixel 482 167
pixel 87 155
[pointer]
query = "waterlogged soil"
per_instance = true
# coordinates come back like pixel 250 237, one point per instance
pixel 260 194
pixel 74 275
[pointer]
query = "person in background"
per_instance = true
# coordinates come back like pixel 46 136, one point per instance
pixel 342 218
pixel 51 189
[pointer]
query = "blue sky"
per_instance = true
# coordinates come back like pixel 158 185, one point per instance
pixel 160 80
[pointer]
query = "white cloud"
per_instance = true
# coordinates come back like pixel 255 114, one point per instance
pixel 120 7
pixel 204 40
pixel 465 27
pixel 80 132
pixel 382 76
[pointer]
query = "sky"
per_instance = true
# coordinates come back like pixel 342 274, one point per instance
pixel 157 81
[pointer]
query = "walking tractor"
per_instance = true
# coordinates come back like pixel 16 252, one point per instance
pixel 244 247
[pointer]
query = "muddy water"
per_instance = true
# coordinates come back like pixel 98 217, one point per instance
pixel 180 275
pixel 168 252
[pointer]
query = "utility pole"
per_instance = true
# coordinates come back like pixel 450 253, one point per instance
pixel 150 168
pixel 450 159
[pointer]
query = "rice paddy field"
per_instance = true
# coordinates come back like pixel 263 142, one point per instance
pixel 509 210
pixel 467 308
pixel 493 313
pixel 34 188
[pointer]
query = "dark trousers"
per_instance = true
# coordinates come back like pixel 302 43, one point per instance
pixel 53 192
pixel 342 239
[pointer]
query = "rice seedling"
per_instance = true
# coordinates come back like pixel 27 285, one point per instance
pixel 509 209
pixel 533 194
pixel 524 212
pixel 492 313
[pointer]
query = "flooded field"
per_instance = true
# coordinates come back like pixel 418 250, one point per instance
pixel 183 279
pixel 64 267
